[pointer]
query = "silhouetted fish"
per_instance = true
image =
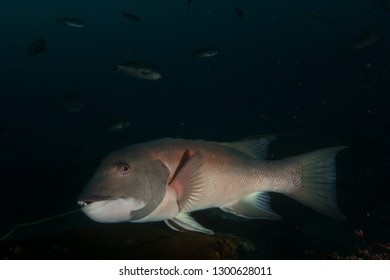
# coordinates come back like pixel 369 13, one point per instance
pixel 239 12
pixel 365 38
pixel 116 125
pixel 132 17
pixel 36 47
pixel 204 52
pixel 71 21
pixel 139 69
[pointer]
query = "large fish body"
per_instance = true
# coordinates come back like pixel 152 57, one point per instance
pixel 166 179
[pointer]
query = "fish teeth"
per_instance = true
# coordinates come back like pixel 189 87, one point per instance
pixel 81 203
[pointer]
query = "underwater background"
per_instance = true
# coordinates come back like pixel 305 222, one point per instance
pixel 314 73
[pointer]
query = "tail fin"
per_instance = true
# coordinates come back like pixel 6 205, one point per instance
pixel 318 190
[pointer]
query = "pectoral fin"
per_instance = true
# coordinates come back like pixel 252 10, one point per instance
pixel 189 181
pixel 255 206
pixel 184 221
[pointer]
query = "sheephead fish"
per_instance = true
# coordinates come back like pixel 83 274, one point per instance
pixel 167 179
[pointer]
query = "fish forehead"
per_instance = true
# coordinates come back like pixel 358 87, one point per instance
pixel 129 155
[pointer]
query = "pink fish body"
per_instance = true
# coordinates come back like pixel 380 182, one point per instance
pixel 167 179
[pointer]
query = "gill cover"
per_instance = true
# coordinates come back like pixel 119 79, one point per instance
pixel 153 182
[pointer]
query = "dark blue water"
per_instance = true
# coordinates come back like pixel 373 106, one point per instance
pixel 284 68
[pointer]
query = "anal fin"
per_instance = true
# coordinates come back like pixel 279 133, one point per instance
pixel 255 206
pixel 184 221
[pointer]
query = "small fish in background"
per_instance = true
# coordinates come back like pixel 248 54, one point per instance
pixel 132 17
pixel 385 5
pixel 190 3
pixel 37 47
pixel 116 125
pixel 71 102
pixel 239 12
pixel 204 52
pixel 139 69
pixel 72 22
pixel 365 38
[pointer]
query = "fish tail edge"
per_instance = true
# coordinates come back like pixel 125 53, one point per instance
pixel 318 177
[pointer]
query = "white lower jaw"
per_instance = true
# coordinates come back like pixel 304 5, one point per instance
pixel 112 211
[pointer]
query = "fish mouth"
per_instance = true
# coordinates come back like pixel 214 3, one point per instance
pixel 84 203
pixel 87 199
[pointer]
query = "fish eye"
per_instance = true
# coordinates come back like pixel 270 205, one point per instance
pixel 123 168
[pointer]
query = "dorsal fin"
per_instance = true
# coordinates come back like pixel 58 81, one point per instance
pixel 256 147
pixel 189 181
pixel 255 206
